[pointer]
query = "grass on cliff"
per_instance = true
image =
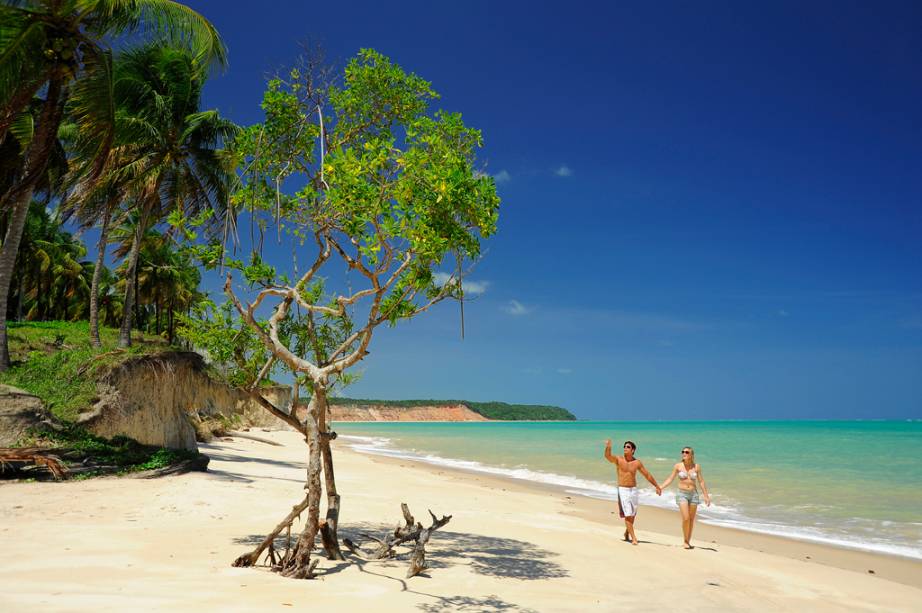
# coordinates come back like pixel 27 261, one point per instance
pixel 55 361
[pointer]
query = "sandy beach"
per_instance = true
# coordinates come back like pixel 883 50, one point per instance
pixel 167 544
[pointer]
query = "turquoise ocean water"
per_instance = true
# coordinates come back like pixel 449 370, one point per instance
pixel 853 484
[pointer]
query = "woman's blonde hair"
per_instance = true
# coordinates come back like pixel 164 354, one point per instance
pixel 691 453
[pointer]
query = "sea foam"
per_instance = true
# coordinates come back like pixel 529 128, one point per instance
pixel 722 512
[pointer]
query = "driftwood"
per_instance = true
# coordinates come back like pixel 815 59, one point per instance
pixel 399 535
pixel 410 531
pixel 33 455
pixel 418 559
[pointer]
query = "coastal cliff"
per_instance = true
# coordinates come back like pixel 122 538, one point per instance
pixel 357 409
pixel 156 399
pixel 354 412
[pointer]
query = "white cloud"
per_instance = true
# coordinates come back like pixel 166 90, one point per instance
pixel 441 278
pixel 514 307
pixel 565 371
pixel 563 171
pixel 502 176
pixel 474 288
pixel 471 288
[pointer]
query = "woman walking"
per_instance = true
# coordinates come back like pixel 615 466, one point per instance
pixel 689 474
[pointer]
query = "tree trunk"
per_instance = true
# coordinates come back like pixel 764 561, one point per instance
pixel 169 316
pixel 124 335
pixel 138 322
pixel 328 534
pixel 97 276
pixel 18 199
pixel 157 311
pixel 22 288
pixel 299 566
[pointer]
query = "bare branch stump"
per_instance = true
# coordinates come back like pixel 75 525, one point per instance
pixel 418 559
pixel 249 559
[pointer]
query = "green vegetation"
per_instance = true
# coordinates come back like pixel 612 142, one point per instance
pixel 68 128
pixel 117 455
pixel 55 361
pixel 371 181
pixel 101 126
pixel 491 410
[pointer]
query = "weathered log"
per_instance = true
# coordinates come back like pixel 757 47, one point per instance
pixel 407 516
pixel 353 548
pixel 249 559
pixel 399 535
pixel 418 559
pixel 408 532
pixel 34 455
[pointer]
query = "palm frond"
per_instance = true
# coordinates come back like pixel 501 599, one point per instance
pixel 164 20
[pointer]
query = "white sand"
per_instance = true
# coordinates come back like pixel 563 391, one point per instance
pixel 167 544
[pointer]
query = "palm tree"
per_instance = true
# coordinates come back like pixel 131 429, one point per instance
pixel 50 281
pixel 97 203
pixel 176 160
pixel 167 281
pixel 59 46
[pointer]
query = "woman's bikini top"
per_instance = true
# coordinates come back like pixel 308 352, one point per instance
pixel 693 474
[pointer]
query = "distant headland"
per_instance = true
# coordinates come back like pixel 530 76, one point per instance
pixel 360 409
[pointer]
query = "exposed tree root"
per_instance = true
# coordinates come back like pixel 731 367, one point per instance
pixel 33 455
pixel 249 559
pixel 296 562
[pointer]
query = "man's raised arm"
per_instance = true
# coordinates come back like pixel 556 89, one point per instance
pixel 646 473
pixel 608 456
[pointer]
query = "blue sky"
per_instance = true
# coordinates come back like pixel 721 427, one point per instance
pixel 710 210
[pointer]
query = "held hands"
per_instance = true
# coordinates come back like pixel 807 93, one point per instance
pixel 659 491
pixel 707 500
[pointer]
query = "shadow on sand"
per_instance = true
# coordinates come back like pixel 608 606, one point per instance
pixel 485 555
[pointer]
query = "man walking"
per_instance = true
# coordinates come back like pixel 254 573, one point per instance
pixel 628 466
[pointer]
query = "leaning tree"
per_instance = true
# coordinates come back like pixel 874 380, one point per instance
pixel 368 182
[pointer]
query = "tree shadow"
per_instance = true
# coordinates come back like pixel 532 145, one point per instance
pixel 487 604
pixel 225 457
pixel 486 555
pixel 491 556
pixel 239 478
pixel 280 542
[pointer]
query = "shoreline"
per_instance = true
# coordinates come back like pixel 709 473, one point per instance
pixel 667 524
pixel 809 513
pixel 167 544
